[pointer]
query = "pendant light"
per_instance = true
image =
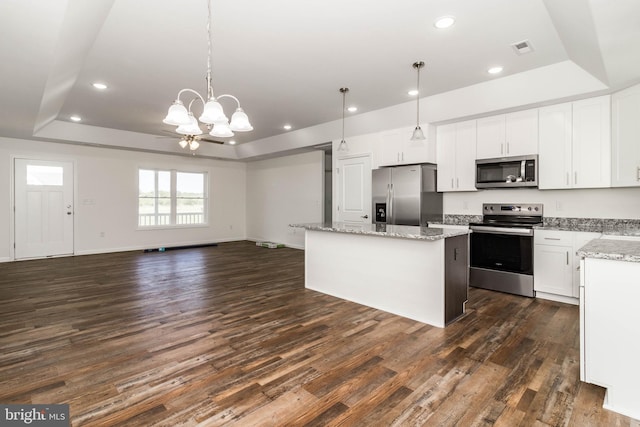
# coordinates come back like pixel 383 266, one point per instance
pixel 418 135
pixel 343 143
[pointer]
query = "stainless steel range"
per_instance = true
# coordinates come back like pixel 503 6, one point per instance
pixel 502 248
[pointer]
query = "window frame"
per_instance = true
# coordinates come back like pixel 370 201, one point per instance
pixel 173 199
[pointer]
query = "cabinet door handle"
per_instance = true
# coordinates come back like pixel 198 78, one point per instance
pixel 567 178
pixel 551 238
pixel 575 177
pixel 507 148
pixel 638 174
pixel 457 182
pixel 452 186
pixel 567 257
pixel 501 149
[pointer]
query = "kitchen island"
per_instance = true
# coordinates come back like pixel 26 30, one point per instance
pixel 417 272
pixel 609 318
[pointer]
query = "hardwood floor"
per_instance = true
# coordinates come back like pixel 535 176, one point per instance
pixel 228 335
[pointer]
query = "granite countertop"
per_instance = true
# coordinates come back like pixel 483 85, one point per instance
pixel 385 230
pixel 614 227
pixel 612 249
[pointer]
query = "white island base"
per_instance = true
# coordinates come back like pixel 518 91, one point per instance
pixel 401 276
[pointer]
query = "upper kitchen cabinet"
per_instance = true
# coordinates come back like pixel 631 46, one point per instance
pixel 575 144
pixel 513 134
pixel 554 158
pixel 456 150
pixel 625 150
pixel 398 149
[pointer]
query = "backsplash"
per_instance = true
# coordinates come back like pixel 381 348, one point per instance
pixel 453 219
pixel 600 225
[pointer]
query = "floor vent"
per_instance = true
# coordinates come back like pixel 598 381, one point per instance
pixel 522 47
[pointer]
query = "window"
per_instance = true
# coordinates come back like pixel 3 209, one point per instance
pixel 170 197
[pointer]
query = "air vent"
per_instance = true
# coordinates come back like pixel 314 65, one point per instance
pixel 522 47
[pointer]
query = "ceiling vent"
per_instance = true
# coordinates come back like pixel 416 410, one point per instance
pixel 522 47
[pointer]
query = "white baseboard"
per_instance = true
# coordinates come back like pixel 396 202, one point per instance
pixel 558 298
pixel 287 245
pixel 6 259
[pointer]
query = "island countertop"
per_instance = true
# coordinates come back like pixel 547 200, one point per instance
pixel 385 230
pixel 612 249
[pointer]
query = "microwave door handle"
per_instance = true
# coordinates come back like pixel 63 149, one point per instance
pixel 523 170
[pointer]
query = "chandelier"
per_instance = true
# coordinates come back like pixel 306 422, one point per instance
pixel 212 116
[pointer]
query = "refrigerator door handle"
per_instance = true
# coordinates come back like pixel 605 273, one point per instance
pixel 390 204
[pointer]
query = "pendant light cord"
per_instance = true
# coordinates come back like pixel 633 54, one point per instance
pixel 418 96
pixel 344 96
pixel 209 86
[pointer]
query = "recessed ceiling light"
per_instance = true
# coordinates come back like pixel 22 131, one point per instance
pixel 287 127
pixel 75 118
pixel 413 92
pixel 352 109
pixel 232 142
pixel 444 22
pixel 100 86
pixel 494 70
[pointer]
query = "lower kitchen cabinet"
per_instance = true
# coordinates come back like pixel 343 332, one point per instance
pixel 556 267
pixel 456 276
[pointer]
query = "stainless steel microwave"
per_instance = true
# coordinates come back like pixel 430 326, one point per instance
pixel 507 172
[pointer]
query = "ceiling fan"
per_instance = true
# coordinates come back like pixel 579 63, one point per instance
pixel 192 141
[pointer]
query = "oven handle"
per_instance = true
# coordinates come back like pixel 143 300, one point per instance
pixel 503 230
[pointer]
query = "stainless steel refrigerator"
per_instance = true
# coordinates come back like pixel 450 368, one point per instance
pixel 406 195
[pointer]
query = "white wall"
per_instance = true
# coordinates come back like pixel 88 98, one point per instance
pixel 284 191
pixel 106 197
pixel 620 203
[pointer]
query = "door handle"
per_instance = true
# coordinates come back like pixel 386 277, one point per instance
pixel 68 213
pixel 365 216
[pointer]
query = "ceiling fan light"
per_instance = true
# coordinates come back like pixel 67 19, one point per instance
pixel 183 143
pixel 212 112
pixel 193 145
pixel 418 135
pixel 190 129
pixel 221 130
pixel 240 121
pixel 177 114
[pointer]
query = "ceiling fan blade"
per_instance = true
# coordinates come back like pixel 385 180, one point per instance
pixel 215 141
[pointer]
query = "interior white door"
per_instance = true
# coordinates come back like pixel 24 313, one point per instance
pixel 43 200
pixel 354 189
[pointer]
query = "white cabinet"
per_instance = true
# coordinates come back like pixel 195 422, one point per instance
pixel 575 144
pixel 456 145
pixel 398 149
pixel 592 142
pixel 513 134
pixel 625 133
pixel 554 158
pixel 556 268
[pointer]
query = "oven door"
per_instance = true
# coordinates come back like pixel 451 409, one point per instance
pixel 502 249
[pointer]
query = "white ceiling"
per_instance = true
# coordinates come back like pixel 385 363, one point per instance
pixel 285 59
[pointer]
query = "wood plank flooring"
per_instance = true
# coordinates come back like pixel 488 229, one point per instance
pixel 228 335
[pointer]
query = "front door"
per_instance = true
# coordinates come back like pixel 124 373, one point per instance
pixel 354 189
pixel 43 208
